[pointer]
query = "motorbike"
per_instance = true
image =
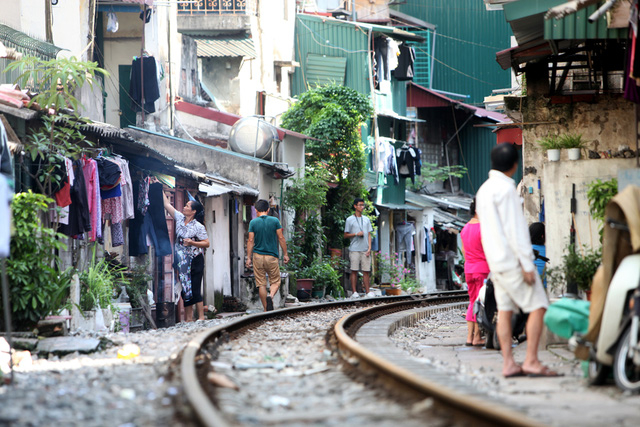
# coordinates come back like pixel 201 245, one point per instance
pixel 486 312
pixel 611 340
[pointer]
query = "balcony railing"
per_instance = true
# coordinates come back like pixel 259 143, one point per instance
pixel 217 7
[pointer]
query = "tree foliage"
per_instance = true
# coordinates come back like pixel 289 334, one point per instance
pixel 37 284
pixel 55 80
pixel 333 115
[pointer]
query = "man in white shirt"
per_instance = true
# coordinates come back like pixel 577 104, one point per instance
pixel 507 247
pixel 358 228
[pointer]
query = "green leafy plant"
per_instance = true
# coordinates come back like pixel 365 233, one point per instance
pixel 136 283
pixel 578 267
pixel 390 268
pixel 55 80
pixel 333 114
pixel 58 135
pixel 37 284
pixel 550 142
pixel 431 172
pixel 98 283
pixel 323 273
pixel 571 140
pixel 304 197
pixel 599 193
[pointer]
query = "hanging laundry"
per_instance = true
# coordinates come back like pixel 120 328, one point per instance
pixel 126 187
pixel 150 81
pixel 407 159
pixel 404 71
pixel 5 216
pixel 5 154
pixel 381 50
pixel 404 234
pixel 79 217
pixel 426 249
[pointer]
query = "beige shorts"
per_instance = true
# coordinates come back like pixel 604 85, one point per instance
pixel 264 265
pixel 359 261
pixel 512 292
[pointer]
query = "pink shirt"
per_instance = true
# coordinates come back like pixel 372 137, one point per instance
pixel 474 259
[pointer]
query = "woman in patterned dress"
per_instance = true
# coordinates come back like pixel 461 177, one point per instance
pixel 191 241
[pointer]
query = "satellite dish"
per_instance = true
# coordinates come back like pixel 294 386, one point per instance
pixel 252 136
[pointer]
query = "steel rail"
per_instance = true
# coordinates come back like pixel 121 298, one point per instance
pixel 346 328
pixel 194 391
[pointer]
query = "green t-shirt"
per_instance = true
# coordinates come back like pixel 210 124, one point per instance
pixel 265 238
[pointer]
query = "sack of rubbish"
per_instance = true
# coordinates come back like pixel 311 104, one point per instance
pixel 567 316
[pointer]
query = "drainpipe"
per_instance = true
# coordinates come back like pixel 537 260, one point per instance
pixel 172 106
pixel 353 10
pixel 376 131
pixel 433 53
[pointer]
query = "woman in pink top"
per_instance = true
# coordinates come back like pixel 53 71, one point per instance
pixel 476 270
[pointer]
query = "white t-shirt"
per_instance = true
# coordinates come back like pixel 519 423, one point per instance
pixel 355 224
pixel 505 235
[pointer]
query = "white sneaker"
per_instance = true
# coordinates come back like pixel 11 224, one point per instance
pixel 355 295
pixel 371 294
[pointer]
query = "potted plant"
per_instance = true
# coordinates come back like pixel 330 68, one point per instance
pixel 325 277
pixel 578 267
pixel 573 143
pixel 391 269
pixel 552 145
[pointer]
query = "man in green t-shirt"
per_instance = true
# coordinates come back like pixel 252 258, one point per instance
pixel 265 232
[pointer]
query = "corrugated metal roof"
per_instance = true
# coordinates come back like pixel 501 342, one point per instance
pixel 577 27
pixel 210 48
pixel 466 34
pixel 323 69
pixel 321 36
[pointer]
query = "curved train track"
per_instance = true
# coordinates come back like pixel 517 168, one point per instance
pixel 397 312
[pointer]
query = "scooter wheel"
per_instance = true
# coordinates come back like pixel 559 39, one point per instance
pixel 488 342
pixel 597 372
pixel 625 372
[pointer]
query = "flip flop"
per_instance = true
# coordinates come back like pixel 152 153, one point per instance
pixel 468 344
pixel 545 372
pixel 479 345
pixel 519 373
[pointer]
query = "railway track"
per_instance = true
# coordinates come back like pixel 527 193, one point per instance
pixel 360 339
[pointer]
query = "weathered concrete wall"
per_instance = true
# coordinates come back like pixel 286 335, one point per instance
pixel 604 125
pixel 205 160
pixel 557 179
pixel 425 271
pixel 221 77
pixel 119 49
pixel 218 270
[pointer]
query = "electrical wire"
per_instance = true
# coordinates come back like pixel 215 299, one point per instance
pixel 327 43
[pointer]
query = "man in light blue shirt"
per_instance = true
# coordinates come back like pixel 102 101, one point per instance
pixel 358 228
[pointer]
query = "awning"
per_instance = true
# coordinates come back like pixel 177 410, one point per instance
pixel 404 20
pixel 229 46
pixel 421 97
pixel 396 116
pixel 397 207
pixel 418 199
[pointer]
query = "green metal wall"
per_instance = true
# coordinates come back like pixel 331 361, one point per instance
pixel 467 39
pixel 332 39
pixel 476 148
